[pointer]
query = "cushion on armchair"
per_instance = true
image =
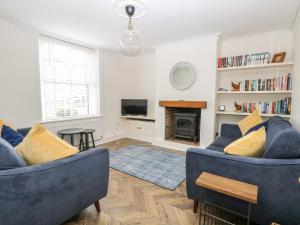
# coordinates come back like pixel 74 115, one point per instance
pixel 12 136
pixel 283 141
pixel 250 121
pixel 251 145
pixel 9 159
pixel 40 146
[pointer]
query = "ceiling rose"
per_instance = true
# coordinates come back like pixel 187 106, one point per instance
pixel 141 8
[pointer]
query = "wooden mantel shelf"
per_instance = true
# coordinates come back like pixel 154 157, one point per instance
pixel 184 104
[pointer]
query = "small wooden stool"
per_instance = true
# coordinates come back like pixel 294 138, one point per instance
pixel 233 188
pixel 86 133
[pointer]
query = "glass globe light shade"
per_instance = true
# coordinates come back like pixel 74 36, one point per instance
pixel 131 43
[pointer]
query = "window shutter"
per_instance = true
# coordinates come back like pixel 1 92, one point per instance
pixel 69 81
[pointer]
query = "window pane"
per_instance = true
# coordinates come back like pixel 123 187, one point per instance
pixel 80 100
pixel 69 84
pixel 63 100
pixel 49 101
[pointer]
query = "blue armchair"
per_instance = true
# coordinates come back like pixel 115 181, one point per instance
pixel 51 193
pixel 277 179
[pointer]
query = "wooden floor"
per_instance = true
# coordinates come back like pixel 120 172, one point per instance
pixel 132 201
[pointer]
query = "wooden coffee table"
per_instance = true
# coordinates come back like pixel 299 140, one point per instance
pixel 233 188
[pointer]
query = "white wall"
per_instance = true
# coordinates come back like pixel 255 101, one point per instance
pixel 296 81
pixel 19 77
pixel 126 77
pixel 201 53
pixel 272 42
pixel 122 77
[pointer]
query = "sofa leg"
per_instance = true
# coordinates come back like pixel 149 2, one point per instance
pixel 97 206
pixel 196 203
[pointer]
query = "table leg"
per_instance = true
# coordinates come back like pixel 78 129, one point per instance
pixel 72 139
pixel 80 142
pixel 249 213
pixel 87 144
pixel 92 135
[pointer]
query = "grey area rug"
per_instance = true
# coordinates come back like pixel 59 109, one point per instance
pixel 158 167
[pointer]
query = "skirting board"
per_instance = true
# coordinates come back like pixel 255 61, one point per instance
pixel 109 139
pixel 173 145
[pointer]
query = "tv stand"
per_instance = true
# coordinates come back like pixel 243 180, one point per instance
pixel 138 127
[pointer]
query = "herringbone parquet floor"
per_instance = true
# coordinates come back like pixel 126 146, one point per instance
pixel 131 201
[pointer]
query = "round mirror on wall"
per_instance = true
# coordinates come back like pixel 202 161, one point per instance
pixel 182 76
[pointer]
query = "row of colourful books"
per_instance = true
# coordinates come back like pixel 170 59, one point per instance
pixel 244 60
pixel 282 83
pixel 282 107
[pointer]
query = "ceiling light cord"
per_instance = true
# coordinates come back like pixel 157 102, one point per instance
pixel 130 24
pixel 130 10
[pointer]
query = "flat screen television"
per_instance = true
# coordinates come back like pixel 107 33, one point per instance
pixel 134 107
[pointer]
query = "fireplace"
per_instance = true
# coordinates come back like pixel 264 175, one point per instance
pixel 182 124
pixel 182 120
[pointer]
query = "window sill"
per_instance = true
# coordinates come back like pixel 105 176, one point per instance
pixel 71 119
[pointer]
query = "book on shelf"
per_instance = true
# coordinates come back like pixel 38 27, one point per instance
pixel 244 60
pixel 282 83
pixel 282 107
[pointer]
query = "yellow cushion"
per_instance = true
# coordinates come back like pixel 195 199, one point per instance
pixel 250 121
pixel 1 125
pixel 251 145
pixel 40 146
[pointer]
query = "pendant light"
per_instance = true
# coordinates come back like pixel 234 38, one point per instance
pixel 130 42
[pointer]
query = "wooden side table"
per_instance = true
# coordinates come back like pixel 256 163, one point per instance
pixel 237 189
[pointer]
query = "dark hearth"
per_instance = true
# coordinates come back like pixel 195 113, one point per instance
pixel 186 126
pixel 182 124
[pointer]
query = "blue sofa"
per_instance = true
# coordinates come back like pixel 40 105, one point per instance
pixel 51 193
pixel 277 178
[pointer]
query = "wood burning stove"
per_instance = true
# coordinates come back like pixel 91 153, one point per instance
pixel 186 125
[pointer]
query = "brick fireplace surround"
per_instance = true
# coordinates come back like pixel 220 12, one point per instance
pixel 179 106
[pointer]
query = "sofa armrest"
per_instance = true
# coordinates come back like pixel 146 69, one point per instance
pixel 52 192
pixel 230 130
pixel 277 181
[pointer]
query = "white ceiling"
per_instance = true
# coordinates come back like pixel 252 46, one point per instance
pixel 93 21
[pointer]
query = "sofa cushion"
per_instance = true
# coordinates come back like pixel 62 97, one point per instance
pixel 215 148
pixel 9 159
pixel 12 136
pixel 276 125
pixel 40 146
pixel 251 145
pixel 223 141
pixel 283 141
pixel 250 121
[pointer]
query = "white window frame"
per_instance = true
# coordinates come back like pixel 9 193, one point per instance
pixel 98 81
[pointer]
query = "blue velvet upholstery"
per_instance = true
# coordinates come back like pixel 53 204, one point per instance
pixel 277 179
pixel 283 141
pixel 24 131
pixel 231 130
pixel 9 159
pixel 51 193
pixel 12 136
pixel 223 141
